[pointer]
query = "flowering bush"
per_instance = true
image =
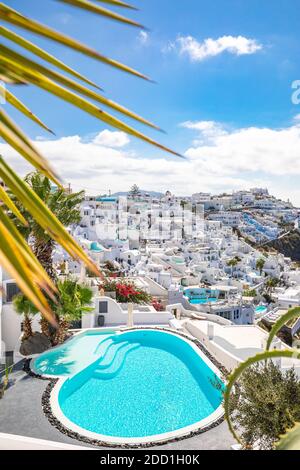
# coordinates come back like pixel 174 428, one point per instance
pixel 157 305
pixel 125 291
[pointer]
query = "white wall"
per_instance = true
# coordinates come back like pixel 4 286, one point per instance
pixel 223 356
pixel 155 288
pixel 116 316
pixel 11 326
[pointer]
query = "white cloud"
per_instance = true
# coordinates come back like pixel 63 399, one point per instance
pixel 272 151
pixel 220 159
pixel 111 139
pixel 143 37
pixel 198 51
pixel 208 130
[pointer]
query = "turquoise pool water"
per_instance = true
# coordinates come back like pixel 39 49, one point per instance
pixel 72 356
pixel 261 309
pixel 202 301
pixel 143 383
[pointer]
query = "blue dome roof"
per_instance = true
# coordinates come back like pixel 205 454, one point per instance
pixel 96 247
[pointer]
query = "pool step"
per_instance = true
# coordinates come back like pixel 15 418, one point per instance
pixel 110 354
pixel 118 360
pixel 103 347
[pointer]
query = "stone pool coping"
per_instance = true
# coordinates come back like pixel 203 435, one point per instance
pixel 56 418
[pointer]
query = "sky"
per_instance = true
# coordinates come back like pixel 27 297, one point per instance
pixel 223 75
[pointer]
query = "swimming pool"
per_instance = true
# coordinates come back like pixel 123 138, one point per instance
pixel 201 295
pixel 145 385
pixel 261 309
pixel 202 301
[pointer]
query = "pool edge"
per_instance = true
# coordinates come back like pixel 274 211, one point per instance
pixel 62 423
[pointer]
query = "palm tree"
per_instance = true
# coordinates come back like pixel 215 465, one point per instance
pixel 233 262
pixel 260 265
pixel 74 300
pixel 25 307
pixel 63 205
pixel 19 69
pixel 271 283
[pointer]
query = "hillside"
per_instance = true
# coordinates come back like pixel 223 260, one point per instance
pixel 289 245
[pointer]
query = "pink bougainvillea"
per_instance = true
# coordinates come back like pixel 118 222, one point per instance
pixel 125 291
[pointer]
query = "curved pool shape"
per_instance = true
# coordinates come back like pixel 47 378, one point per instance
pixel 145 386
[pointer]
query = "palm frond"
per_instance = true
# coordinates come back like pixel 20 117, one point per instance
pixel 11 205
pixel 118 3
pixel 291 440
pixel 57 77
pixel 16 103
pixel 42 81
pixel 11 16
pixel 89 6
pixel 17 69
pixel 43 215
pixel 10 132
pixel 15 259
pixel 38 51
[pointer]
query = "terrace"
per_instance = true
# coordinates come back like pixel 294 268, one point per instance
pixel 22 415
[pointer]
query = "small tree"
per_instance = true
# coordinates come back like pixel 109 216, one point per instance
pixel 260 263
pixel 265 403
pixel 249 293
pixel 233 263
pixel 271 284
pixel 134 191
pixel 25 307
pixel 73 300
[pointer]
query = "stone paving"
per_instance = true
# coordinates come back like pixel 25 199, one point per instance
pixel 21 413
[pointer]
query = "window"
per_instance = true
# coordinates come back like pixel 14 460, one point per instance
pixel 226 315
pixel 11 290
pixel 236 314
pixel 103 307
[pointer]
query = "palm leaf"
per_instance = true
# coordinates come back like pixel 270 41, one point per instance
pixel 10 205
pixel 43 215
pixel 9 77
pixel 13 17
pixel 14 101
pixel 17 39
pixel 42 277
pixel 118 3
pixel 43 82
pixel 291 440
pixel 13 257
pixel 89 6
pixel 21 60
pixel 14 137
